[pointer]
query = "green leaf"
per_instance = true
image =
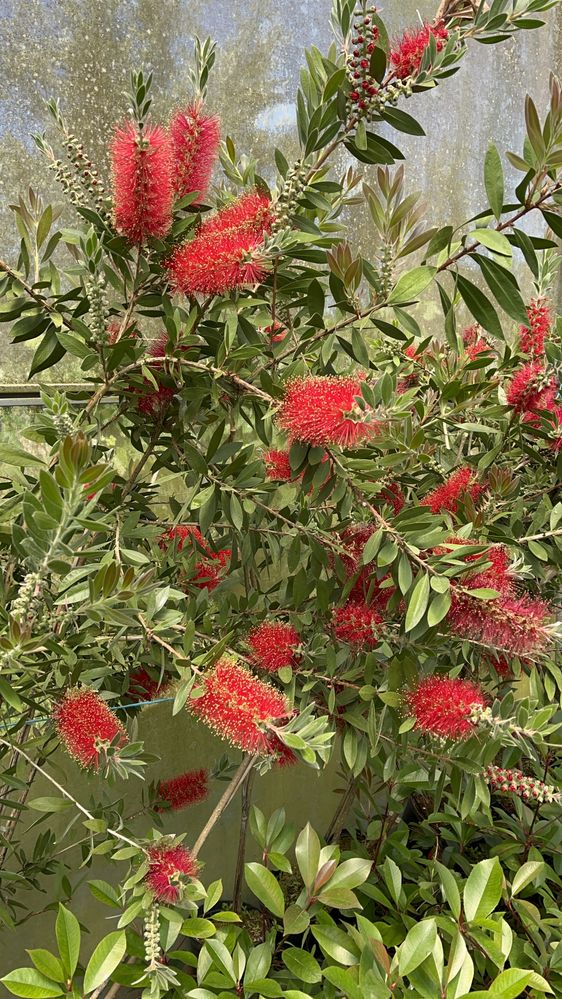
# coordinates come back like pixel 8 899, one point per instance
pixel 105 893
pixel 510 983
pixel 417 946
pixel 409 286
pixel 418 602
pixel 527 873
pixel 264 885
pixel 302 965
pixel 106 958
pixel 483 889
pixel 307 853
pixel 31 984
pixel 295 920
pixel 479 306
pixel 337 944
pixel 198 928
pixel 402 121
pixel 345 983
pixel 438 608
pixel 450 888
pixel 47 964
pixel 67 931
pixel 49 351
pixel 493 180
pixel 504 288
pixel 493 240
pixel 49 804
pixel 17 456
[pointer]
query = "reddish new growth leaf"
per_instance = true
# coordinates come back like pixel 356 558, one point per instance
pixel 87 727
pixel 209 569
pixel 532 337
pixel 169 868
pixel 144 687
pixel 531 389
pixel 446 498
pixel 278 466
pixel 474 343
pixel 239 707
pixel 407 53
pixel 226 251
pixel 442 706
pixel 274 645
pixel 276 331
pixel 322 410
pixel 183 790
pixel 195 143
pixel 357 624
pixel 142 182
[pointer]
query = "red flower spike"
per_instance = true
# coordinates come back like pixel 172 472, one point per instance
pixel 458 486
pixel 142 182
pixel 357 624
pixel 322 410
pixel 529 391
pixel 144 687
pixel 185 789
pixel 474 343
pixel 354 539
pixel 86 726
pixel 195 143
pixel 285 757
pixel 278 466
pixel 532 337
pixel 155 404
pixel 442 706
pixel 239 707
pixel 209 569
pixel 168 869
pixel 225 253
pixel 274 645
pixel 393 495
pixel 407 53
pixel 513 624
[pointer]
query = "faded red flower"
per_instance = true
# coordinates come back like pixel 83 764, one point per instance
pixel 530 390
pixel 155 403
pixel 195 143
pixel 442 706
pixel 532 337
pixel 169 868
pixel 142 182
pixel 239 707
pixel 278 466
pixel 225 253
pixel 87 727
pixel 407 53
pixel 274 645
pixel 392 494
pixel 322 409
pixel 353 539
pixel 446 497
pixel 356 623
pixel 183 790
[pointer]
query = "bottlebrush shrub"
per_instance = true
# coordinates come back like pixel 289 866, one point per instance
pixel 315 516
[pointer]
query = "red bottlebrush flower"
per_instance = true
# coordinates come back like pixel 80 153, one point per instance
pixel 357 624
pixel 474 343
pixel 392 494
pixel 530 390
pixel 183 790
pixel 513 624
pixel 442 706
pixel 144 687
pixel 274 645
pixel 322 409
pixel 225 252
pixel 182 534
pixel 501 665
pixel 168 869
pixel 86 726
pixel 533 336
pixel 154 404
pixel 285 757
pixel 411 351
pixel 407 53
pixel 208 570
pixel 195 143
pixel 354 539
pixel 239 707
pixel 458 486
pixel 142 182
pixel 278 466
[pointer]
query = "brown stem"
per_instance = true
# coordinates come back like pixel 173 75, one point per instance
pixel 239 874
pixel 142 462
pixel 244 768
pixel 338 821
